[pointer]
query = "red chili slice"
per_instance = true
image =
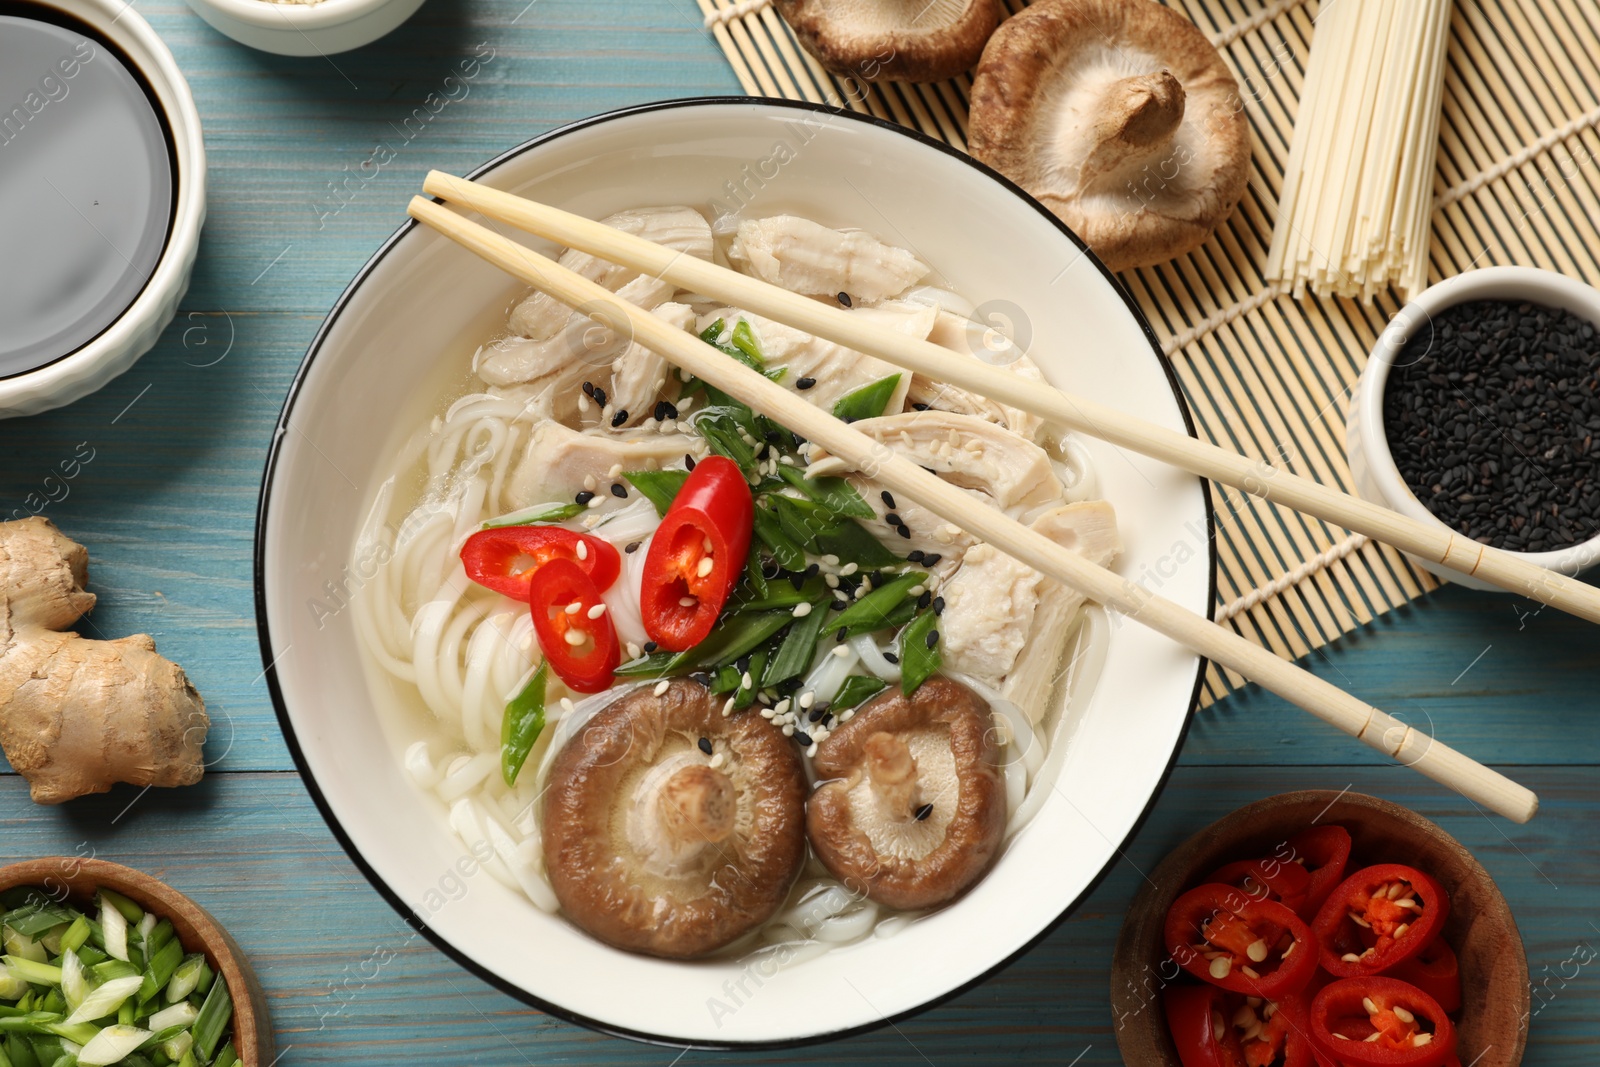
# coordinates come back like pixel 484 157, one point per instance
pixel 1381 1022
pixel 1255 947
pixel 1326 852
pixel 1215 1028
pixel 504 559
pixel 1267 879
pixel 697 555
pixel 1379 917
pixel 1436 972
pixel 579 641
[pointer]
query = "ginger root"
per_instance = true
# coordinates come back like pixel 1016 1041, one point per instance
pixel 78 716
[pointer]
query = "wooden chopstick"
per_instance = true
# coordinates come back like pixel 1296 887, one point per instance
pixel 1378 729
pixel 1254 476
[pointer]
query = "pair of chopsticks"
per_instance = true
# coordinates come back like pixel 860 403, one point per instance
pixel 1389 735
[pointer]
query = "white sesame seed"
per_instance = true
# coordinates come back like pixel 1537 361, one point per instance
pixel 830 559
pixel 767 713
pixel 847 716
pixel 596 501
pixel 782 706
pixel 841 650
pixel 807 699
pixel 812 751
pixel 583 550
pixel 597 611
pixel 917 590
pixel 583 404
pixel 745 681
pixel 788 729
pixel 718 760
pixel 661 687
pixel 832 580
pixel 567 705
pixel 848 569
pixel 589 483
pixel 727 709
pixel 634 651
pixel 616 469
pixel 802 610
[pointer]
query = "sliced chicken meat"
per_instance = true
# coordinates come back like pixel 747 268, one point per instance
pixel 575 351
pixel 640 378
pixel 560 462
pixel 968 451
pixel 682 228
pixel 974 339
pixel 1090 529
pixel 995 606
pixel 805 257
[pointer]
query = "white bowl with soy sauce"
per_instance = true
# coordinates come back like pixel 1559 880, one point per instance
pixel 102 196
pixel 1479 412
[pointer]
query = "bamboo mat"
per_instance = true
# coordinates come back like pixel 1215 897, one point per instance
pixel 1269 375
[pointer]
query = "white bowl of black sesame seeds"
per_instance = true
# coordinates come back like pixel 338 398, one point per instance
pixel 1479 411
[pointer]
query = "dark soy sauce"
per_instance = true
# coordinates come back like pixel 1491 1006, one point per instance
pixel 86 186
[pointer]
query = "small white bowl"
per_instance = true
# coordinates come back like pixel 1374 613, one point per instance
pixel 1377 478
pixel 292 29
pixel 116 348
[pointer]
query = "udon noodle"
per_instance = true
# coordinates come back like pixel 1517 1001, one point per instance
pixel 519 443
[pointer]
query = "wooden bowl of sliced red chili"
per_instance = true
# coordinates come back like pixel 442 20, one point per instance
pixel 1271 937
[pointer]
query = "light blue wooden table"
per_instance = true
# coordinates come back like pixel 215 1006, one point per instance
pixel 167 507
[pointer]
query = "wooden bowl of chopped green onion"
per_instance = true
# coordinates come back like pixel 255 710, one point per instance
pixel 107 965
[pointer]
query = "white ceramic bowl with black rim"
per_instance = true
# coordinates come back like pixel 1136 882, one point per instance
pixel 420 295
pixel 1372 464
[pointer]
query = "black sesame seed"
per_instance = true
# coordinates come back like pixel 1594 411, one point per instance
pixel 588 389
pixel 633 546
pixel 933 638
pixel 931 559
pixel 938 605
pixel 924 600
pixel 891 657
pixel 599 395
pixel 816 714
pixel 904 531
pixel 892 519
pixel 919 407
pixel 844 298
pixel 827 719
pixel 688 461
pixel 671 409
pixel 803 737
pixel 650 646
pixel 916 555
pixel 660 412
pixel 805 383
pixel 887 498
pixel 797 579
pixel 705 745
pixel 742 664
pixel 619 418
pixel 812 570
pixel 924 811
pixel 584 497
pixel 844 632
pixel 619 490
pixel 701 678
